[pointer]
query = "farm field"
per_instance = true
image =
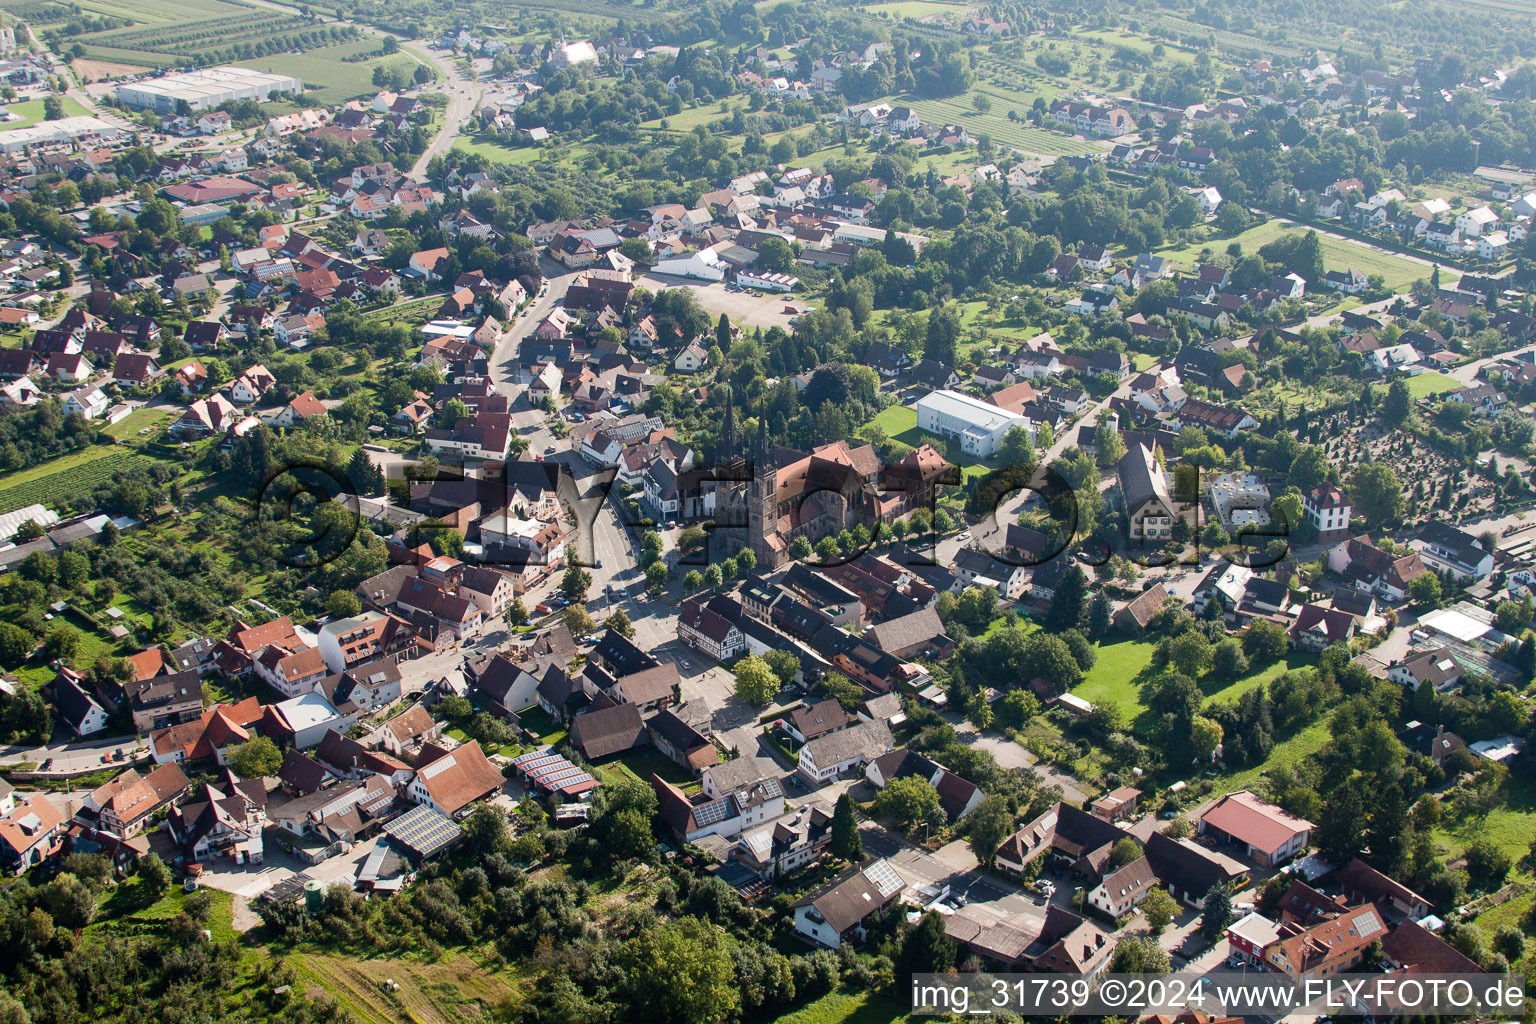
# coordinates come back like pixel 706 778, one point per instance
pixel 41 483
pixel 99 70
pixel 1338 253
pixel 447 991
pixel 178 32
pixel 31 112
pixel 326 73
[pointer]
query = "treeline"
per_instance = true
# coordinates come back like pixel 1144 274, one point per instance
pixel 31 436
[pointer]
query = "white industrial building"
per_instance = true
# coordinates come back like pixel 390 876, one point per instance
pixel 65 131
pixel 978 425
pixel 206 89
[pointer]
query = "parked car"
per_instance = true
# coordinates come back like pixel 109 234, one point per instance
pixel 544 608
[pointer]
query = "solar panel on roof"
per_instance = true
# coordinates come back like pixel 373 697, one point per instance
pixel 712 813
pixel 884 877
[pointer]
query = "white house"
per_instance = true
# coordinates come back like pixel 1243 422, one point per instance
pixel 1474 222
pixel 836 912
pixel 978 425
pixel 826 757
pixel 1327 508
pixel 705 265
pixel 89 402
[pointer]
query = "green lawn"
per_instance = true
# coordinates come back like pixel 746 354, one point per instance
pixel 842 1007
pixel 130 425
pixel 691 117
pixel 1288 751
pixel 920 9
pixel 31 112
pixel 1426 384
pixel 1511 913
pixel 495 152
pixel 995 123
pixel 1509 826
pixel 1113 676
pixel 537 721
pixel 1338 253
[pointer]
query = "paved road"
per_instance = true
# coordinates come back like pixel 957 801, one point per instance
pixel 463 101
pixel 71 757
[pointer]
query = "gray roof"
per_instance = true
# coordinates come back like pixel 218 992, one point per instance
pixel 920 627
pixel 866 739
pixel 1142 480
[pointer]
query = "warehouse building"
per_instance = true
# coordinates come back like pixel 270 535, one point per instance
pixel 979 426
pixel 206 89
pixel 63 132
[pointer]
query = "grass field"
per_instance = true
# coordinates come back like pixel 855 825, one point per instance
pixel 497 153
pixel 1426 384
pixel 446 991
pixel 44 482
pixel 849 1008
pixel 140 419
pixel 995 123
pixel 1338 253
pixel 1113 678
pixel 326 73
pixel 1509 826
pixel 31 112
pixel 920 9
pixel 692 117
pixel 1287 752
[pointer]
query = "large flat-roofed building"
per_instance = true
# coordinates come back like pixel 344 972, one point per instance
pixel 66 130
pixel 206 89
pixel 979 426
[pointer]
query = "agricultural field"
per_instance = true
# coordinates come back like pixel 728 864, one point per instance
pixel 1338 253
pixel 30 112
pixel 177 32
pixel 65 474
pixel 327 72
pixel 88 70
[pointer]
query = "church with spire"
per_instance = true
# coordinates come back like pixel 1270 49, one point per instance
pixel 764 499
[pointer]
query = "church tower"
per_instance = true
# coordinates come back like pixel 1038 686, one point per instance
pixel 762 506
pixel 728 449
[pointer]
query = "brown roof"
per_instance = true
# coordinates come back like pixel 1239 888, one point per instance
pixel 1419 950
pixel 130 796
pixel 414 722
pixel 819 719
pixel 1256 822
pixel 458 777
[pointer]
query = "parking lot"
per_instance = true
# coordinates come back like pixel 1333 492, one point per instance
pixel 745 308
